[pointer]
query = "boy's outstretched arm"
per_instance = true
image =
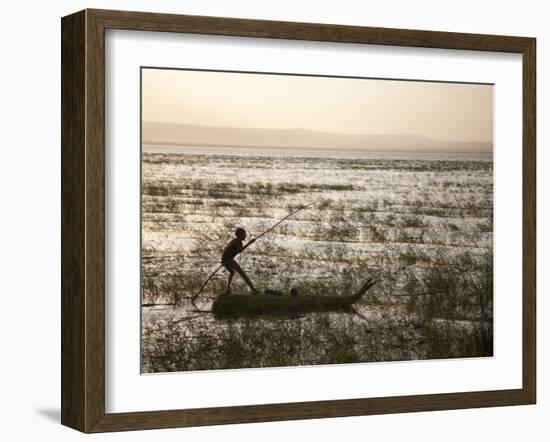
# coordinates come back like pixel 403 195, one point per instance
pixel 249 243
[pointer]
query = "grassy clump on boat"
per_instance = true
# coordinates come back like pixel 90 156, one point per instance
pixel 239 305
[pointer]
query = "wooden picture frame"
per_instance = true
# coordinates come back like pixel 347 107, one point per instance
pixel 83 220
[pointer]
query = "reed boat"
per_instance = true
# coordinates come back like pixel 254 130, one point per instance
pixel 272 303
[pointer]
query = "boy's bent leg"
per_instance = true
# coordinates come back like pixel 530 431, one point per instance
pixel 243 274
pixel 230 268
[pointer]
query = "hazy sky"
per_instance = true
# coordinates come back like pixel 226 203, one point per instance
pixel 453 112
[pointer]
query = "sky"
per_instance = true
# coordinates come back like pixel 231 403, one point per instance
pixel 443 111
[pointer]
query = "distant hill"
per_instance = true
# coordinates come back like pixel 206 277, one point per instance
pixel 195 135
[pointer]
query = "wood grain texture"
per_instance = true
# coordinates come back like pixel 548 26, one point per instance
pixel 73 257
pixel 529 220
pixel 308 410
pixel 83 218
pixel 145 21
pixel 95 221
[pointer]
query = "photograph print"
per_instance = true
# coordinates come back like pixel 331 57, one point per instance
pixel 301 220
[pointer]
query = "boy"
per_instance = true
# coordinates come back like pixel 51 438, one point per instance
pixel 231 250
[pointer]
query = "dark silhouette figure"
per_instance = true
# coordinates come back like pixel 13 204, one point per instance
pixel 232 249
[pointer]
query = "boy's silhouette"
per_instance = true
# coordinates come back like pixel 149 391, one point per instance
pixel 232 249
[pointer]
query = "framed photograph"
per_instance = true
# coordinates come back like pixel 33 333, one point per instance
pixel 269 220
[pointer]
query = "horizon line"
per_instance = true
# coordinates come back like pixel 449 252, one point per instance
pixel 317 149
